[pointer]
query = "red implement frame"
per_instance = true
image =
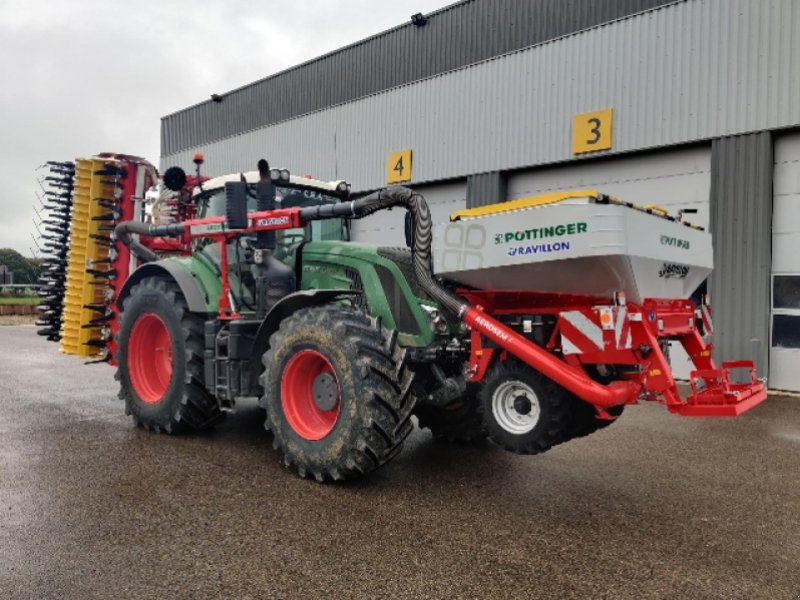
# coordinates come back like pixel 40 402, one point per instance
pixel 214 228
pixel 590 331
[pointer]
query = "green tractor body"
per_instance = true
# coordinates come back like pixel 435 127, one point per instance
pixel 360 317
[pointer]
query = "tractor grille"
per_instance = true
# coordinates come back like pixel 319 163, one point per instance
pixel 398 303
pixel 356 284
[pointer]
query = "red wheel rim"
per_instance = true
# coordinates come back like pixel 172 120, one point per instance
pixel 150 358
pixel 307 419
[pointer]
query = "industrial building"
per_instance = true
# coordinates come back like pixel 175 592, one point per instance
pixel 682 104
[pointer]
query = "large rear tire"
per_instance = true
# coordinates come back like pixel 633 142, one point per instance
pixel 336 392
pixel 161 360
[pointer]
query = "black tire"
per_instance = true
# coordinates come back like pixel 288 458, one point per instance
pixel 458 422
pixel 584 418
pixel 183 404
pixel 372 403
pixel 549 407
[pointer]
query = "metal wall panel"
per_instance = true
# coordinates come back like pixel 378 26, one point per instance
pixel 741 222
pixel 688 71
pixel 458 35
pixel 387 227
pixel 486 188
pixel 784 358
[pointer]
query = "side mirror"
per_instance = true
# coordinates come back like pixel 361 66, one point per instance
pixel 409 230
pixel 236 204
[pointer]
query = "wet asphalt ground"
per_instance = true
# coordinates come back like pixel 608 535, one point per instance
pixel 653 507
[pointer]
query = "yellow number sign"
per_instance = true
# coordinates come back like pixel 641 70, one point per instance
pixel 591 132
pixel 398 167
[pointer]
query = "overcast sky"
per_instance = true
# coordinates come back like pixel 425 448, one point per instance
pixel 78 77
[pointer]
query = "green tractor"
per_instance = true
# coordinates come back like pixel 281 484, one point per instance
pixel 337 339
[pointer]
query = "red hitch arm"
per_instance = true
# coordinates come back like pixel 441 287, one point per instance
pixel 567 376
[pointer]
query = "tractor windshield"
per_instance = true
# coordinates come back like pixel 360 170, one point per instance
pixel 239 251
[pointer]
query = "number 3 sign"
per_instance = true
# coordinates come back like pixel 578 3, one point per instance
pixel 591 131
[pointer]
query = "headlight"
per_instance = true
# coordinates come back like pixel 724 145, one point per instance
pixel 284 174
pixel 274 174
pixel 343 187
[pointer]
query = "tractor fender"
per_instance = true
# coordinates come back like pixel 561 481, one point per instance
pixel 281 310
pixel 195 298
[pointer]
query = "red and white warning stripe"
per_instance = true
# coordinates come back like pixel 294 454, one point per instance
pixel 622 329
pixel 587 332
pixel 705 319
pixel 579 334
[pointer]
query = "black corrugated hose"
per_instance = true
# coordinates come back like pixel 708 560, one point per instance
pixel 423 233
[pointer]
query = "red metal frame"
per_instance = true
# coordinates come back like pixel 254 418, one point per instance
pixel 634 344
pixel 130 165
pixel 270 220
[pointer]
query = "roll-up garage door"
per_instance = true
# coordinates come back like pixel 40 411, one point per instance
pixel 784 356
pixel 674 179
pixel 387 227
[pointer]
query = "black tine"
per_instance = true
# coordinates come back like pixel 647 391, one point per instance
pixel 101 360
pixel 112 171
pixel 106 203
pixel 101 308
pixel 110 274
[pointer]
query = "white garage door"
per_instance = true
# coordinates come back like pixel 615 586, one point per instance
pixel 784 356
pixel 675 179
pixel 387 227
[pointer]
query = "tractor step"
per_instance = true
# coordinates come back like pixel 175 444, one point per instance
pixel 714 395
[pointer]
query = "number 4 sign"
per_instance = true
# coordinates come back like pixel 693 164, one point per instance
pixel 398 167
pixel 591 132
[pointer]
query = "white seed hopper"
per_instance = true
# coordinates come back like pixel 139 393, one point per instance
pixel 578 242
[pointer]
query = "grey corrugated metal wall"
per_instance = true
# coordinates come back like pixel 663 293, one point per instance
pixel 741 222
pixel 486 188
pixel 458 35
pixel 690 71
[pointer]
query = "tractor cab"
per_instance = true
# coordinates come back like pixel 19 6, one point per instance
pixel 291 191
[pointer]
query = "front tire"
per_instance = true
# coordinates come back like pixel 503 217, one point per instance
pixel 161 360
pixel 336 392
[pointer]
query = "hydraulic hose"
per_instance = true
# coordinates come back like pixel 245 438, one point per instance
pixel 123 232
pixel 423 233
